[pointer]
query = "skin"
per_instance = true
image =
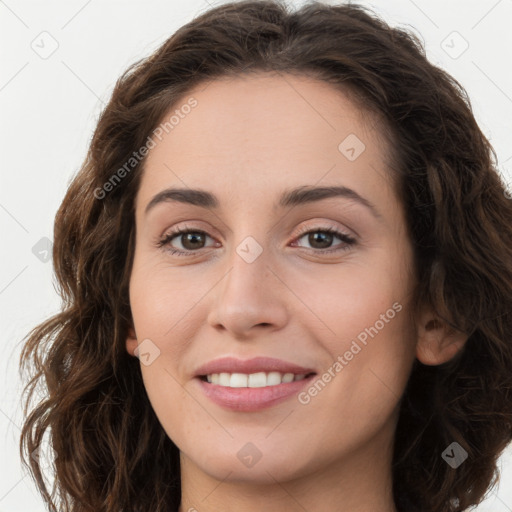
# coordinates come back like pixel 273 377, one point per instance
pixel 249 139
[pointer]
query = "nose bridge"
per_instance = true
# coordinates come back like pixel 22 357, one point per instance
pixel 250 294
pixel 249 266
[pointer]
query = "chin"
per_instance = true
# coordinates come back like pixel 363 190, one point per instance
pixel 248 465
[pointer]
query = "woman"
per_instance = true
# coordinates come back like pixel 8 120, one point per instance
pixel 210 355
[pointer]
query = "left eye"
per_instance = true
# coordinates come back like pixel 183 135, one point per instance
pixel 326 238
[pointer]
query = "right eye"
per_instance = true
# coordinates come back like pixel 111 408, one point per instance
pixel 190 239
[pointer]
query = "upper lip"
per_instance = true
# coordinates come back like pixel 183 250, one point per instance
pixel 254 365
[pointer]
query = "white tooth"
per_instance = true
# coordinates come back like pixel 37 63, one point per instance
pixel 287 377
pixel 257 380
pixel 238 380
pixel 224 379
pixel 273 378
pixel 253 380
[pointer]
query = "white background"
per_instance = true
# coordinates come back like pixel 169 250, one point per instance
pixel 49 108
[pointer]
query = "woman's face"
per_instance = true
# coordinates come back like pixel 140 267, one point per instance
pixel 258 276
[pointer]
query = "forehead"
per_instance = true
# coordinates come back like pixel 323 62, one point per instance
pixel 254 133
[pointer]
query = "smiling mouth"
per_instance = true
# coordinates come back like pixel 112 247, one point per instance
pixel 253 380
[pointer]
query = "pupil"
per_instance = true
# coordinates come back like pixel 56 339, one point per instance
pixel 192 238
pixel 313 238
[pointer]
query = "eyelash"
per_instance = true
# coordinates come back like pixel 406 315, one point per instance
pixel 164 242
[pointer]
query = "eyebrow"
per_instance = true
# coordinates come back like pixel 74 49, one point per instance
pixel 289 198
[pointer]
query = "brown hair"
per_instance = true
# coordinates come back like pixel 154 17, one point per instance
pixel 113 454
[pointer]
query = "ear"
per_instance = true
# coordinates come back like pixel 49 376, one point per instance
pixel 437 341
pixel 131 341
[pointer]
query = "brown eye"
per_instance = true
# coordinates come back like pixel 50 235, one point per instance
pixel 321 239
pixel 190 240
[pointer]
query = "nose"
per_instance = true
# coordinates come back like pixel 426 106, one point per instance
pixel 251 297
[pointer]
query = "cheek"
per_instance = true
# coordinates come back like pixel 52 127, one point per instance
pixel 346 299
pixel 371 365
pixel 370 342
pixel 160 312
pixel 359 393
pixel 162 299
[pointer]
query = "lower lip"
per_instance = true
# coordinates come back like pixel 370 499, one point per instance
pixel 252 399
